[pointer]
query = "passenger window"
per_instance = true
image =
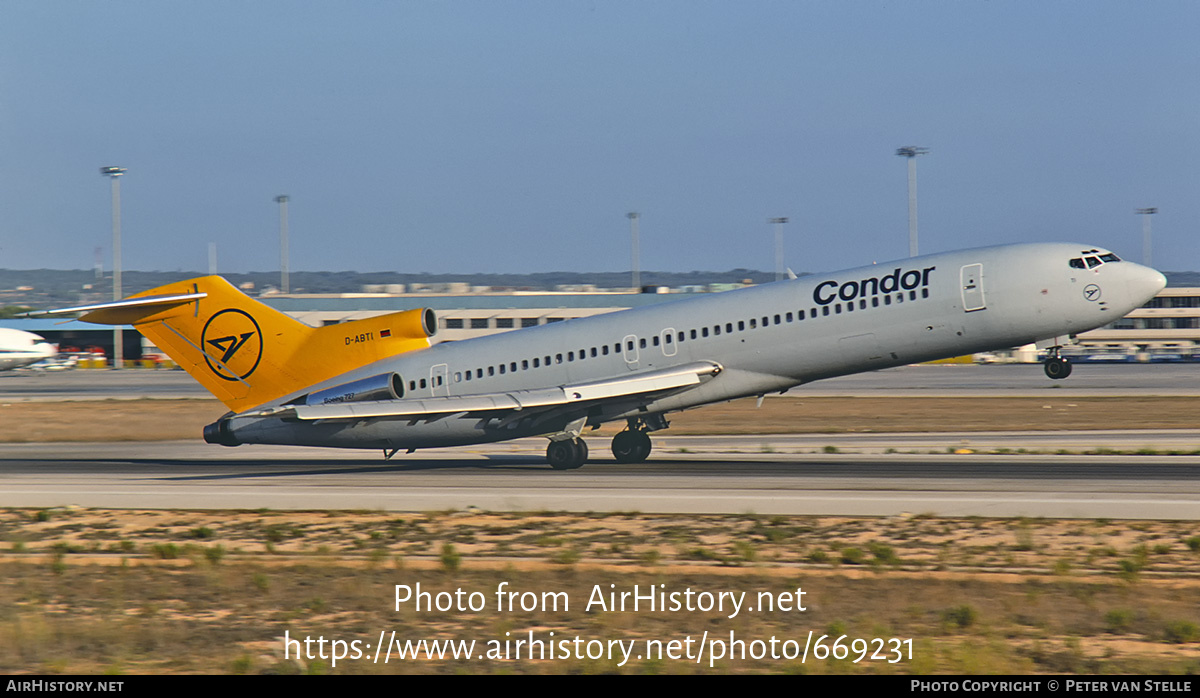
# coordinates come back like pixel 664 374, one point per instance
pixel 776 320
pixel 491 370
pixel 513 367
pixel 502 369
pixel 789 316
pixel 924 293
pixel 593 352
pixel 728 327
pixel 875 302
pixel 799 314
pixel 479 373
pixel 693 333
pixel 1077 263
pixel 536 362
pixel 862 304
pixel 704 331
pixel 525 364
pixel 887 300
pixel 412 385
pixel 468 375
pixel 642 342
pixel 570 356
pixel 850 307
pixel 558 358
pixel 716 330
pixel 629 345
pixel 825 310
pixel 604 350
pixel 422 383
pixel 655 340
pixel 458 376
pixel 837 308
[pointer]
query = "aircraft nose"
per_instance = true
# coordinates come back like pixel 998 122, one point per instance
pixel 1145 283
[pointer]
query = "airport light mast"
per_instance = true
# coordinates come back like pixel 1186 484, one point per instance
pixel 778 223
pixel 911 152
pixel 282 200
pixel 114 173
pixel 1145 213
pixel 633 231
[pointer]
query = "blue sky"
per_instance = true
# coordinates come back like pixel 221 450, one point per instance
pixel 515 136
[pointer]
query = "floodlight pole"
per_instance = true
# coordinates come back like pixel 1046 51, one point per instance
pixel 778 222
pixel 114 173
pixel 1145 213
pixel 911 152
pixel 633 217
pixel 282 200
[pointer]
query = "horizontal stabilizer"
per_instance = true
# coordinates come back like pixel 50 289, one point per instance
pixel 123 312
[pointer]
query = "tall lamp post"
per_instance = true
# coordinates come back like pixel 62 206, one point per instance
pixel 282 200
pixel 1145 213
pixel 114 173
pixel 778 223
pixel 911 152
pixel 633 231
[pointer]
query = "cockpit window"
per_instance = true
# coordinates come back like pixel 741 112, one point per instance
pixel 1110 257
pixel 1093 262
pixel 1077 263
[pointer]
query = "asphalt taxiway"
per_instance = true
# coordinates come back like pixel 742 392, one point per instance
pixel 995 380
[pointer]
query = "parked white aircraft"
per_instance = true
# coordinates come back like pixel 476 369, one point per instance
pixel 377 382
pixel 20 348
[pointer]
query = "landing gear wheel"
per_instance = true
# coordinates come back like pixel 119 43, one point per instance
pixel 1057 368
pixel 631 446
pixel 568 454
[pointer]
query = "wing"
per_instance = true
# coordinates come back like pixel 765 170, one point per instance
pixel 626 390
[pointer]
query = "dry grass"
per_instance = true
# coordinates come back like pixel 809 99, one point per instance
pixel 89 591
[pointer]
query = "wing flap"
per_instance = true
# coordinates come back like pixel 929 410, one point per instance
pixel 647 383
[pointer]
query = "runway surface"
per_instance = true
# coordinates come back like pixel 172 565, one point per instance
pixel 999 380
pixel 731 475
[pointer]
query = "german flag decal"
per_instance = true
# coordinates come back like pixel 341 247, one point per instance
pixel 385 333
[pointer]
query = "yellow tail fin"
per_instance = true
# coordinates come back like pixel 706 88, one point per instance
pixel 247 353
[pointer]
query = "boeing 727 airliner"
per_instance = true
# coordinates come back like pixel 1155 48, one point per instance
pixel 378 383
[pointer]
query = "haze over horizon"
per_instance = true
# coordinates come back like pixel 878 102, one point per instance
pixel 473 137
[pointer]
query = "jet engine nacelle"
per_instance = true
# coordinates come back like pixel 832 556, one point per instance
pixel 385 386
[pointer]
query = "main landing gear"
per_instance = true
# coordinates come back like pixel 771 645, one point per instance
pixel 1057 366
pixel 567 454
pixel 629 446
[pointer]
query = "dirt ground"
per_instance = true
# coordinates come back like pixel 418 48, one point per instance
pixel 96 591
pixel 156 420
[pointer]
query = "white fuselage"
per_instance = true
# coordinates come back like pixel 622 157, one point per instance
pixel 19 348
pixel 767 338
